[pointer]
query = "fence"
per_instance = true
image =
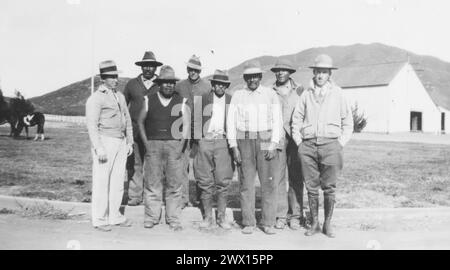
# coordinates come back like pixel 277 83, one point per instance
pixel 80 120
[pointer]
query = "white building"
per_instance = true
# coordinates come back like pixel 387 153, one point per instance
pixel 392 97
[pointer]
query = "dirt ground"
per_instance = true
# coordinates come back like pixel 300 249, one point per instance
pixel 401 228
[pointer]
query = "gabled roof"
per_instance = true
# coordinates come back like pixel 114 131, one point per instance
pixel 358 76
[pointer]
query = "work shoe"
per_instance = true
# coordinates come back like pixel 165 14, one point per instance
pixel 268 230
pixel 224 225
pixel 126 223
pixel 280 224
pixel 175 226
pixel 149 224
pixel 328 209
pixel 248 229
pixel 206 223
pixel 103 228
pixel 314 209
pixel 294 224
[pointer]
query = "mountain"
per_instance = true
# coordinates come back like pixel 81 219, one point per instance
pixel 71 99
pixel 433 72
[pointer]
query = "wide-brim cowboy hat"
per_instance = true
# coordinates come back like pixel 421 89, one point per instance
pixel 166 74
pixel 148 59
pixel 323 61
pixel 283 64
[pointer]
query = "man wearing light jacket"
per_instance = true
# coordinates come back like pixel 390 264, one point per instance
pixel 322 124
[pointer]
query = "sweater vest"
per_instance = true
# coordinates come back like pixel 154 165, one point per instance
pixel 160 121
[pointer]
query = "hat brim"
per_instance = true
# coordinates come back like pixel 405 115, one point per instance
pixel 291 70
pixel 171 79
pixel 117 72
pixel 221 81
pixel 189 65
pixel 148 63
pixel 312 67
pixel 253 71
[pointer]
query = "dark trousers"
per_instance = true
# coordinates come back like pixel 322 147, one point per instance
pixel 163 171
pixel 290 184
pixel 253 161
pixel 321 164
pixel 213 170
pixel 135 171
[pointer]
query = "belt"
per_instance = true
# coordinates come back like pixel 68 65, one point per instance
pixel 264 135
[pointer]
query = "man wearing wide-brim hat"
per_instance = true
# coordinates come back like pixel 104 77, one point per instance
pixel 111 135
pixel 164 127
pixel 322 124
pixel 213 164
pixel 254 130
pixel 192 88
pixel 134 93
pixel 290 183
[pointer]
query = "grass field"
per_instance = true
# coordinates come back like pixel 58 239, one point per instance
pixel 376 174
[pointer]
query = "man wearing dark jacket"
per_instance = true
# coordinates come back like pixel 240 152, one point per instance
pixel 134 93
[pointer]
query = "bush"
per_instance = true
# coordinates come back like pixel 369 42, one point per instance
pixel 359 120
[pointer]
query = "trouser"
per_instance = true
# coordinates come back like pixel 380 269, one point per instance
pixel 321 164
pixel 213 169
pixel 135 171
pixel 107 182
pixel 163 171
pixel 253 161
pixel 290 183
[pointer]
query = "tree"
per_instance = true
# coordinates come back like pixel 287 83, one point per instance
pixel 359 120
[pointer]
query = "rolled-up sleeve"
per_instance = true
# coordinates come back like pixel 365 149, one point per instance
pixel 93 109
pixel 346 121
pixel 298 116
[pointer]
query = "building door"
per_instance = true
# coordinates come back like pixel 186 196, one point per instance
pixel 443 122
pixel 416 121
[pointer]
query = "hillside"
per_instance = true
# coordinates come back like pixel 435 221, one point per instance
pixel 434 73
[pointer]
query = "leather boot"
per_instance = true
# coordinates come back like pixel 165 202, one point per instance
pixel 314 209
pixel 221 211
pixel 207 219
pixel 328 207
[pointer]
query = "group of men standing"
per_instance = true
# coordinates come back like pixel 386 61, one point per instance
pixel 286 135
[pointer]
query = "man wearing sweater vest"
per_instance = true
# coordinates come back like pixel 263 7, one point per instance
pixel 111 135
pixel 164 125
pixel 290 185
pixel 322 124
pixel 254 130
pixel 192 89
pixel 213 165
pixel 134 93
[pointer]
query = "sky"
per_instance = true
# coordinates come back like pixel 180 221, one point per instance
pixel 45 45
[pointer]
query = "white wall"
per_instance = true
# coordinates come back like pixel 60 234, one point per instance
pixel 406 94
pixel 373 101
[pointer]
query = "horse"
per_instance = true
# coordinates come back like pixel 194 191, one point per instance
pixel 30 120
pixel 7 115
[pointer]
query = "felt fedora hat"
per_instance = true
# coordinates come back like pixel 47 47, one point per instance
pixel 108 67
pixel 166 73
pixel 194 62
pixel 283 64
pixel 148 59
pixel 220 76
pixel 323 61
pixel 252 67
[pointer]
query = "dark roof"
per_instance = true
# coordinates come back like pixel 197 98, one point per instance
pixel 357 76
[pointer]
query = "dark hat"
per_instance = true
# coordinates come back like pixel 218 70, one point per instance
pixel 283 64
pixel 220 76
pixel 166 73
pixel 149 59
pixel 323 61
pixel 108 67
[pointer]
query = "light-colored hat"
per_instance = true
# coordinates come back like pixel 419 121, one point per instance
pixel 220 76
pixel 149 59
pixel 166 73
pixel 252 67
pixel 108 67
pixel 194 62
pixel 283 64
pixel 323 61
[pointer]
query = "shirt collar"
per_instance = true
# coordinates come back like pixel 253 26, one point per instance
pixel 102 88
pixel 257 90
pixel 144 79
